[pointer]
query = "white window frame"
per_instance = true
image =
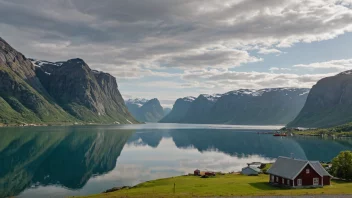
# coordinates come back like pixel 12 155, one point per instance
pixel 307 171
pixel 282 180
pixel 315 181
pixel 299 182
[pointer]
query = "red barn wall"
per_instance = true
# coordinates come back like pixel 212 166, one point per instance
pixel 307 179
pixel 326 180
pixel 280 181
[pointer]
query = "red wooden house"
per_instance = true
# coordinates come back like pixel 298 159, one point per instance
pixel 298 173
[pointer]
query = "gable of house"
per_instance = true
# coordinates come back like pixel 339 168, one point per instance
pixel 307 175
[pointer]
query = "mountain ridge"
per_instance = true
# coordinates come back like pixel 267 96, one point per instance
pixel 244 106
pixel 56 93
pixel 145 110
pixel 328 104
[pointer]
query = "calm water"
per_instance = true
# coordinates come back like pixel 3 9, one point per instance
pixel 63 161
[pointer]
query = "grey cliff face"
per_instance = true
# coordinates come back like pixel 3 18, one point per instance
pixel 329 103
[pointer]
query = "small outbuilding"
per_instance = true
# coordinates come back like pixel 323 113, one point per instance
pixel 197 172
pixel 250 170
pixel 298 173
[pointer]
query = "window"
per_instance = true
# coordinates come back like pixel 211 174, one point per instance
pixel 299 182
pixel 288 182
pixel 315 181
pixel 277 179
pixel 272 178
pixel 283 181
pixel 307 171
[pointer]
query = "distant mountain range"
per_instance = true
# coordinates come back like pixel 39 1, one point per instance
pixel 329 103
pixel 146 110
pixel 245 106
pixel 178 111
pixel 43 92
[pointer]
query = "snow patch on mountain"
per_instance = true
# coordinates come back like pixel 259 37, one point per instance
pixel 260 92
pixel 213 97
pixel 189 98
pixel 348 72
pixel 40 63
pixel 137 101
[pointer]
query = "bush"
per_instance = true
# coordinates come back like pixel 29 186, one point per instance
pixel 342 165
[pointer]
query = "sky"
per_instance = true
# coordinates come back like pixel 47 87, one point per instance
pixel 168 49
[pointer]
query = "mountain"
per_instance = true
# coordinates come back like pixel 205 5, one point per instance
pixel 179 110
pixel 61 92
pixel 145 110
pixel 259 107
pixel 200 109
pixel 167 111
pixel 245 106
pixel 329 103
pixel 23 99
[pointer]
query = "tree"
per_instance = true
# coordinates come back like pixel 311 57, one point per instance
pixel 342 165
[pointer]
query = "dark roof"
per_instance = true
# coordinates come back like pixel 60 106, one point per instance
pixel 289 168
pixel 319 168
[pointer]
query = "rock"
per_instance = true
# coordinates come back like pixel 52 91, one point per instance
pixel 244 106
pixel 329 103
pixel 178 111
pixel 61 92
pixel 145 110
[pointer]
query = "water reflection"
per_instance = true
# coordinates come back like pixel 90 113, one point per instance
pixel 63 156
pixel 66 161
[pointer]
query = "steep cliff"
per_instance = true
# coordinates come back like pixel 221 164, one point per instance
pixel 200 108
pixel 178 111
pixel 244 106
pixel 61 92
pixel 329 103
pixel 87 94
pixel 145 110
pixel 23 99
pixel 259 107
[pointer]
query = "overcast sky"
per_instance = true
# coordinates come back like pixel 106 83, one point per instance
pixel 168 49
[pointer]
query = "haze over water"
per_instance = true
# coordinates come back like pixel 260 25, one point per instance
pixel 81 160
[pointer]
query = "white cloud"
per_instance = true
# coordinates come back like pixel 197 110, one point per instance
pixel 159 33
pixel 269 51
pixel 203 40
pixel 338 65
pixel 231 80
pixel 273 69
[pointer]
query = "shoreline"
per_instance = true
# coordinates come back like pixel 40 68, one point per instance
pixel 221 185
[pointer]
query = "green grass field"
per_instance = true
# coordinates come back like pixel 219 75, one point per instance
pixel 221 185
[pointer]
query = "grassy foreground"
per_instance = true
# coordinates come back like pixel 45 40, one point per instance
pixel 221 185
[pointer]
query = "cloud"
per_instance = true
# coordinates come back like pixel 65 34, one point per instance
pixel 167 33
pixel 273 69
pixel 231 80
pixel 196 43
pixel 338 65
pixel 269 51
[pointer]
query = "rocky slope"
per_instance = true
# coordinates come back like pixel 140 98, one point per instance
pixel 259 107
pixel 178 111
pixel 145 110
pixel 167 111
pixel 200 109
pixel 329 103
pixel 246 106
pixel 62 92
pixel 23 99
